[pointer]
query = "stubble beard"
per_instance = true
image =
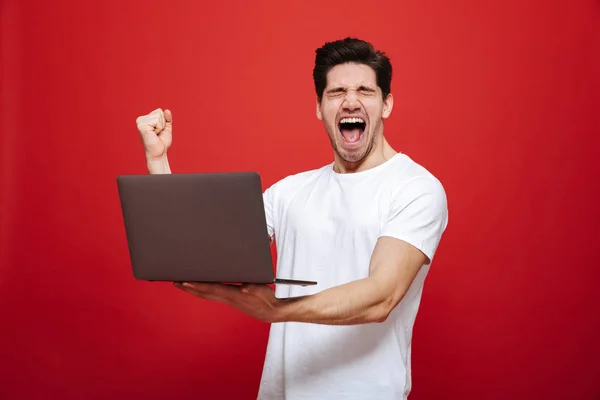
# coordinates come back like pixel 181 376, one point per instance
pixel 352 157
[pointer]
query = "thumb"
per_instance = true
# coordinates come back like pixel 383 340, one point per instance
pixel 168 118
pixel 246 288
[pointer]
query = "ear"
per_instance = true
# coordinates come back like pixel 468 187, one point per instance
pixel 319 115
pixel 388 104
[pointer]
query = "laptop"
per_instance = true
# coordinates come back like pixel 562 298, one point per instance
pixel 201 227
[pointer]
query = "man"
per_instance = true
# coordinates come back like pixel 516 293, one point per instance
pixel 366 227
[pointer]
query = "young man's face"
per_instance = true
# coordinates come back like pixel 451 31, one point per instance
pixel 352 109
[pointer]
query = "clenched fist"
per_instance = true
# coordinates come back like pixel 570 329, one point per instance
pixel 156 130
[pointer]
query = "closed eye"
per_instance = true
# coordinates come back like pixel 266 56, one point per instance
pixel 366 90
pixel 362 90
pixel 336 92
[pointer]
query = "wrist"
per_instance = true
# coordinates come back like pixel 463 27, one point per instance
pixel 286 310
pixel 158 165
pixel 279 312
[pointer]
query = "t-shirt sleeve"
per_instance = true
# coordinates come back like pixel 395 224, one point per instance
pixel 418 214
pixel 268 202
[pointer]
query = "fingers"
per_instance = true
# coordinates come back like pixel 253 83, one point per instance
pixel 155 130
pixel 213 289
pixel 152 122
pixel 219 291
pixel 203 295
pixel 192 290
pixel 161 122
pixel 166 122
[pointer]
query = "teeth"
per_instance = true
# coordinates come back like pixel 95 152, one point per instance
pixel 351 120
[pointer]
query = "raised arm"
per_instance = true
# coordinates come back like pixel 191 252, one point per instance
pixel 156 132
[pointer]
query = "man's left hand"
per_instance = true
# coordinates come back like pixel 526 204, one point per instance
pixel 257 301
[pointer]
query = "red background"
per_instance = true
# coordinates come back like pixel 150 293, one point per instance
pixel 501 100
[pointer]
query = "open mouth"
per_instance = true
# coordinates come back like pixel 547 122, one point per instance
pixel 352 129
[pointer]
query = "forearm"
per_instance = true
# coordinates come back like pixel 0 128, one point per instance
pixel 160 166
pixel 357 302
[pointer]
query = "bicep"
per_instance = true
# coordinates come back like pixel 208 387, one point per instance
pixel 394 265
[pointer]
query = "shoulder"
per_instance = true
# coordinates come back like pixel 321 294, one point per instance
pixel 293 183
pixel 408 172
pixel 417 212
pixel 411 181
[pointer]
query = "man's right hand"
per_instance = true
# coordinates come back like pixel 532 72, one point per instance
pixel 156 131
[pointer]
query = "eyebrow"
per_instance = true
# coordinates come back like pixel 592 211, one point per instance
pixel 341 89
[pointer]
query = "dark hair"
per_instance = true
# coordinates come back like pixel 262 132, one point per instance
pixel 354 50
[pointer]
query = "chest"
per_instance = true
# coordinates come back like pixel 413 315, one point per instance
pixel 329 210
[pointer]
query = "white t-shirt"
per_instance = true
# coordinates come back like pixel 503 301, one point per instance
pixel 326 226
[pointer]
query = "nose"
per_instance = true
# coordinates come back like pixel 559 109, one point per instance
pixel 351 102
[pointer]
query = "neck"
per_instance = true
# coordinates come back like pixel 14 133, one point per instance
pixel 381 152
